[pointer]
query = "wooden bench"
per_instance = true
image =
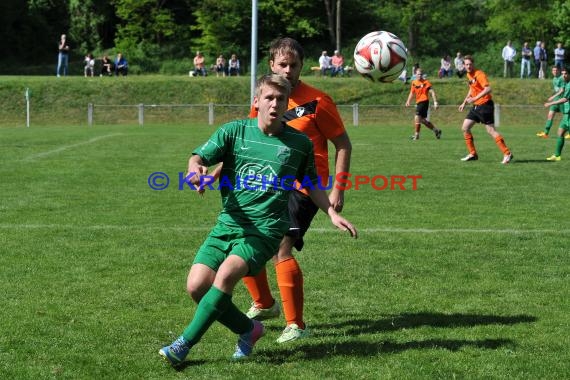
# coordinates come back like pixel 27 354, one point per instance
pixel 316 70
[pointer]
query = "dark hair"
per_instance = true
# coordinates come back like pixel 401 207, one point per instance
pixel 286 46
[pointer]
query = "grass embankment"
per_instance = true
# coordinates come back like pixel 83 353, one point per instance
pixel 63 101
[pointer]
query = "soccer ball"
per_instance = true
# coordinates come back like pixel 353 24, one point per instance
pixel 380 56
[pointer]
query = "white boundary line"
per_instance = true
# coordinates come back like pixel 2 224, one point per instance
pixel 320 230
pixel 65 147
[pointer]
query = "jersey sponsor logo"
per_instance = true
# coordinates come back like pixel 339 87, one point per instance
pixel 256 175
pixel 283 154
pixel 309 108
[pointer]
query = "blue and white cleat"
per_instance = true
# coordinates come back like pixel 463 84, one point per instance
pixel 176 352
pixel 246 341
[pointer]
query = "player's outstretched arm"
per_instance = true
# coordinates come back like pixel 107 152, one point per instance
pixel 320 198
pixel 196 169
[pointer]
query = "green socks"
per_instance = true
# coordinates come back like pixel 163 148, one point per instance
pixel 216 305
pixel 212 305
pixel 559 145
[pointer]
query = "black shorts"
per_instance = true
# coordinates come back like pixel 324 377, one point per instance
pixel 484 114
pixel 422 109
pixel 302 210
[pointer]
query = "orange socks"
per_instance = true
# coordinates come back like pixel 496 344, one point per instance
pixel 502 146
pixel 290 281
pixel 470 143
pixel 258 287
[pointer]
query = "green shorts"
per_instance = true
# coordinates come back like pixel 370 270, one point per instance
pixel 255 249
pixel 556 108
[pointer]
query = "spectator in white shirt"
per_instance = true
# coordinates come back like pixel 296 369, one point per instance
pixel 559 56
pixel 459 65
pixel 324 63
pixel 509 54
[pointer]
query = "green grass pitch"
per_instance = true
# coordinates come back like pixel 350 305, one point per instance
pixel 465 277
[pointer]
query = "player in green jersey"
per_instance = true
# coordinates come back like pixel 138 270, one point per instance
pixel 558 86
pixel 261 158
pixel 564 126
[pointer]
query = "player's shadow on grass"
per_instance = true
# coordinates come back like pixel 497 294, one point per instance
pixel 542 161
pixel 426 319
pixel 317 351
pixel 353 327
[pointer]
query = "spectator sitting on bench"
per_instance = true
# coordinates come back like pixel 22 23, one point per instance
pixel 199 65
pixel 324 63
pixel 107 67
pixel 337 61
pixel 121 65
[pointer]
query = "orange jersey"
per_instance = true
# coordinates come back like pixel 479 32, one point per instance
pixel 420 88
pixel 314 113
pixel 477 83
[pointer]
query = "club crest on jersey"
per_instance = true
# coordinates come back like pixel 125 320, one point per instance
pixel 299 111
pixel 283 154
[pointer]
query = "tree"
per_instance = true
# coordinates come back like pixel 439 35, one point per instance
pixel 520 20
pixel 561 10
pixel 87 19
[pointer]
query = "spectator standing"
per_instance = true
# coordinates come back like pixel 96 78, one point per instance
pixel 459 65
pixel 483 112
pixel 508 55
pixel 543 61
pixel 337 62
pixel 199 65
pixel 121 65
pixel 62 56
pixel 526 56
pixel 89 65
pixel 536 54
pixel 559 55
pixel 324 63
pixel 107 66
pixel 233 66
pixel 445 69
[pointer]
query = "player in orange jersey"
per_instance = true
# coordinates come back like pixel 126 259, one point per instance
pixel 422 89
pixel 483 111
pixel 312 112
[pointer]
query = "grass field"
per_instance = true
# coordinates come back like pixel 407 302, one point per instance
pixel 465 277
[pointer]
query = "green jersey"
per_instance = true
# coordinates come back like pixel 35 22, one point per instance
pixel 258 174
pixel 557 84
pixel 566 94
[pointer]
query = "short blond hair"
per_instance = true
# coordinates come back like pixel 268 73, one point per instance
pixel 273 80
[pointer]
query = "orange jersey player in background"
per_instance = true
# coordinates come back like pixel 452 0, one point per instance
pixel 483 111
pixel 314 113
pixel 422 89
